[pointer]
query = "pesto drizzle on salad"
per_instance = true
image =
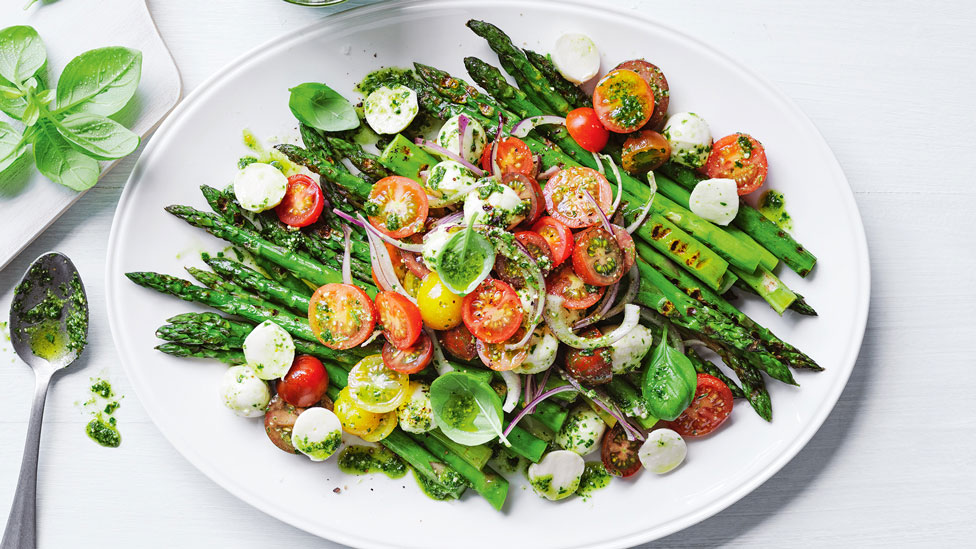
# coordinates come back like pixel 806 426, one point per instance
pixel 362 460
pixel 772 204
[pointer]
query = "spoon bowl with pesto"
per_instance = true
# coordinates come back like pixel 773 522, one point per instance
pixel 49 330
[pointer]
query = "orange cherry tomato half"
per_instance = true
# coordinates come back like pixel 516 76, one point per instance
pixel 659 86
pixel 566 198
pixel 401 320
pixel 397 206
pixel 558 236
pixel 410 360
pixel 493 311
pixel 576 294
pixel 597 258
pixel 740 157
pixel 341 315
pixel 708 410
pixel 514 156
pixel 623 101
pixel 305 382
pixel 585 127
pixel 303 202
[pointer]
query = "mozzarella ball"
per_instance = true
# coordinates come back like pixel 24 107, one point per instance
pixel 690 139
pixel 576 57
pixel 557 475
pixel 582 431
pixel 259 187
pixel 244 393
pixel 474 138
pixel 663 450
pixel 317 433
pixel 416 414
pixel 390 110
pixel 716 200
pixel 630 350
pixel 269 350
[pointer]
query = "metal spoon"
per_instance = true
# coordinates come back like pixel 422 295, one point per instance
pixel 48 328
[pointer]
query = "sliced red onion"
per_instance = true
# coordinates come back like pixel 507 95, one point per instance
pixel 601 311
pixel 495 170
pixel 604 404
pixel 632 288
pixel 513 387
pixel 372 337
pixel 620 184
pixel 462 128
pixel 564 332
pixel 535 401
pixel 424 174
pixel 553 170
pixel 440 362
pixel 541 389
pixel 652 183
pixel 529 392
pixel 381 262
pixel 599 163
pixel 526 125
pixel 604 220
pixel 407 246
pixel 538 305
pixel 347 255
pixel 695 342
pixel 449 154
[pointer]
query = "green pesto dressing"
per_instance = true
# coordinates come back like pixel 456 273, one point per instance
pixel 389 77
pixel 43 326
pixel 362 460
pixel 595 476
pixel 772 204
pixel 432 490
pixel 271 156
pixel 102 404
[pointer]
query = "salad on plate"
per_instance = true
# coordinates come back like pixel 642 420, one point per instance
pixel 484 282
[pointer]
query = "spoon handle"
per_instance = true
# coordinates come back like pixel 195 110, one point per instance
pixel 21 530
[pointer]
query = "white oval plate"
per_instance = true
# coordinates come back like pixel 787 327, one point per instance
pixel 201 142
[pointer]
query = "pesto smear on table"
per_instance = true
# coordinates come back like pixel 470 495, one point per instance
pixel 102 404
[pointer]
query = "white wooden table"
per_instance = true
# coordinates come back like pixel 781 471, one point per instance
pixel 892 88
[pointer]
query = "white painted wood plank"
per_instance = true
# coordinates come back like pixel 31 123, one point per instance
pixel 890 87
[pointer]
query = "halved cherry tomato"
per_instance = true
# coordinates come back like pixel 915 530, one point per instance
pixel 590 366
pixel 529 191
pixel 513 156
pixel 412 261
pixel 401 320
pixel 597 258
pixel 439 306
pixel 709 408
pixel 618 454
pixel 627 246
pixel 279 421
pixel 659 85
pixel 341 315
pixel 558 236
pixel 538 249
pixel 459 342
pixel 566 198
pixel 493 311
pixel 305 382
pixel 623 101
pixel 584 126
pixel 397 206
pixel 303 202
pixel 410 360
pixel 741 157
pixel 576 294
pixel 496 357
pixel 644 151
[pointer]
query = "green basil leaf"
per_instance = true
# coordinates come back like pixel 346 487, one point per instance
pixel 669 381
pixel 12 145
pixel 61 163
pixel 321 107
pixel 465 260
pixel 22 53
pixel 100 81
pixel 101 137
pixel 466 408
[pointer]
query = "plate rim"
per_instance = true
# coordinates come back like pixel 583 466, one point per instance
pixel 863 271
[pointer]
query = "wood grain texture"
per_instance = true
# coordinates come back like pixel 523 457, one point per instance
pixel 890 86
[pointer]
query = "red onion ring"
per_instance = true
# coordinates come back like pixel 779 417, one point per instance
pixel 535 401
pixel 620 184
pixel 449 154
pixel 628 297
pixel 652 183
pixel 415 248
pixel 553 170
pixel 605 304
pixel 611 409
pixel 526 125
pixel 462 128
pixel 604 220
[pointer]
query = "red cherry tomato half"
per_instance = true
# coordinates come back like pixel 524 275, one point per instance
pixel 459 342
pixel 623 101
pixel 558 236
pixel 496 357
pixel 597 258
pixel 618 454
pixel 341 315
pixel 397 206
pixel 584 126
pixel 401 320
pixel 513 156
pixel 659 86
pixel 576 294
pixel 410 360
pixel 740 157
pixel 709 408
pixel 627 246
pixel 305 382
pixel 538 249
pixel 566 198
pixel 493 311
pixel 303 202
pixel 590 366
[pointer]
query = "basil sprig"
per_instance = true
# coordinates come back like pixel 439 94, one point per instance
pixel 669 381
pixel 68 126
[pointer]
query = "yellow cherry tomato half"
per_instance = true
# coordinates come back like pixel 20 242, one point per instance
pixel 439 307
pixel 365 425
pixel 374 387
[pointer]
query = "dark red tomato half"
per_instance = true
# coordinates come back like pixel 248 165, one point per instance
pixel 597 258
pixel 740 157
pixel 659 87
pixel 303 202
pixel 576 294
pixel 305 382
pixel 585 128
pixel 410 360
pixel 459 342
pixel 618 454
pixel 590 366
pixel 708 410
